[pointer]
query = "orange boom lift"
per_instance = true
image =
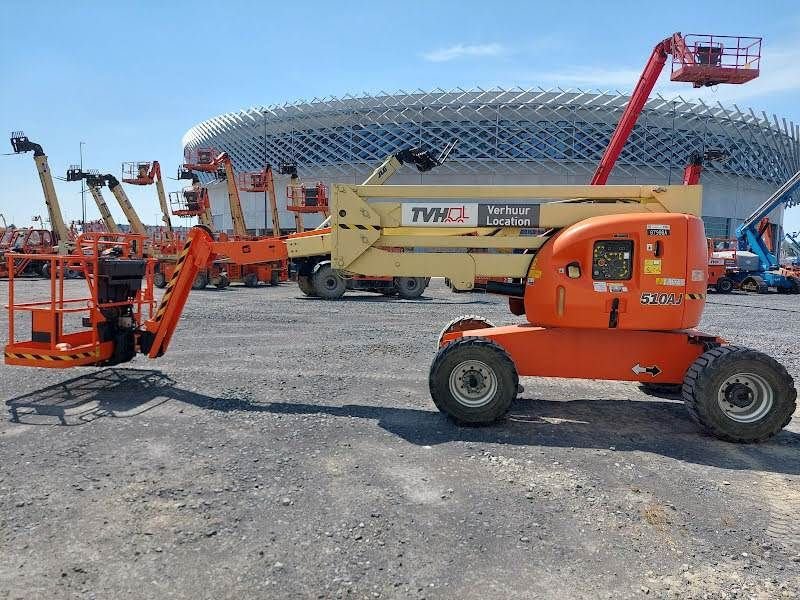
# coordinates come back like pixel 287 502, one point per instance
pixel 208 160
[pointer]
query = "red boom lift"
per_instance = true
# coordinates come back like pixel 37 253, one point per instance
pixel 702 60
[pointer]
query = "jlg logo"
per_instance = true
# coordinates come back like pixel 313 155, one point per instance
pixel 435 215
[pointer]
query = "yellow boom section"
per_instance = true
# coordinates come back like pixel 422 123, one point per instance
pixel 432 223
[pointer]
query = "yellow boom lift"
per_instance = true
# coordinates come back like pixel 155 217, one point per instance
pixel 20 143
pixel 95 183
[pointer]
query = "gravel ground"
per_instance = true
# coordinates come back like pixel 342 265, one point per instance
pixel 287 448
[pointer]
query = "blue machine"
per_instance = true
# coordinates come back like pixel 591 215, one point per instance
pixel 769 274
pixel 794 241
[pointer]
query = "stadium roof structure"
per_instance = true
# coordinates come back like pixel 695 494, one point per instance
pixel 504 131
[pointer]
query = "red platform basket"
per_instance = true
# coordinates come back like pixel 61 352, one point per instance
pixel 137 173
pixel 254 181
pixel 200 159
pixel 705 59
pixel 307 198
pixel 189 202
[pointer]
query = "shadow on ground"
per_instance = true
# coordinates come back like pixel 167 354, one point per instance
pixel 655 426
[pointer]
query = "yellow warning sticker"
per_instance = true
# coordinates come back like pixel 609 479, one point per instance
pixel 535 274
pixel 652 266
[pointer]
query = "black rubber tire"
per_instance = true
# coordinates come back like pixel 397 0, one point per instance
pixel 707 374
pixel 306 285
pixel 159 280
pixel 45 270
pixel 200 281
pixel 275 277
pixel 328 284
pixel 463 323
pixel 794 285
pixel 222 282
pixel 409 288
pixel 724 285
pixel 250 280
pixel 492 355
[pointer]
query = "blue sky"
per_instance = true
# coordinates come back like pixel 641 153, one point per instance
pixel 129 78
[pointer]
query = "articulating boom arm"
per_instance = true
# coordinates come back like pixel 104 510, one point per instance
pixel 223 161
pixel 125 204
pixel 418 157
pixel 199 251
pixel 21 143
pixel 368 220
pixel 148 173
pixel 748 231
pixel 94 182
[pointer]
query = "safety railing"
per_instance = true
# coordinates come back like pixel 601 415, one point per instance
pixel 49 315
pixel 707 59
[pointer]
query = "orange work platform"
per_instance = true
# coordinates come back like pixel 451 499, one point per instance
pixel 119 280
pixel 705 59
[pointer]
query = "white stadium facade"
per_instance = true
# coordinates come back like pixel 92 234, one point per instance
pixel 513 136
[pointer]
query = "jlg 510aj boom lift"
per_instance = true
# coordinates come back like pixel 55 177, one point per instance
pixel 613 290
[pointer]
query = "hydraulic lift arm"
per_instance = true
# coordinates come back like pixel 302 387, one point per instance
pixel 432 221
pixel 125 204
pixel 95 182
pixel 416 156
pixel 148 173
pixel 223 167
pixel 199 251
pixel 273 201
pixel 702 61
pixel 21 143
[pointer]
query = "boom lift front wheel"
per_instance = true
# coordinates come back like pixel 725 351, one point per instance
pixel 739 394
pixel 473 381
pixel 328 284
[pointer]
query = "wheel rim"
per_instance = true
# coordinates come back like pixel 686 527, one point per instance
pixel 330 283
pixel 411 285
pixel 745 397
pixel 473 383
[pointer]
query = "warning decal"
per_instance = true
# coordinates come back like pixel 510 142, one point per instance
pixel 652 266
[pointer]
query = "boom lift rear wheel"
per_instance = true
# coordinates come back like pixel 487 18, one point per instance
pixel 409 288
pixel 473 381
pixel 724 285
pixel 275 277
pixel 305 285
pixel 251 280
pixel 739 394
